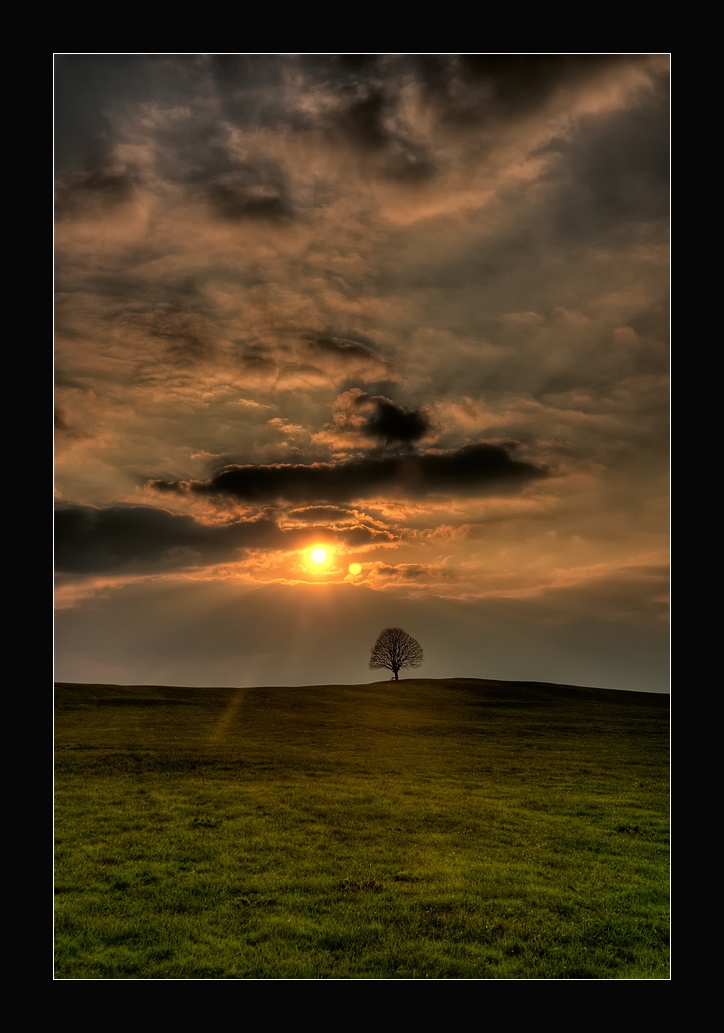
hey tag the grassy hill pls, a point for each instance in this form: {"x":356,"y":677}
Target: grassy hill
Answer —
{"x":421,"y":829}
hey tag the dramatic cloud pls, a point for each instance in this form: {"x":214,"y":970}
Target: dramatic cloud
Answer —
{"x":473,"y":469}
{"x":103,"y":184}
{"x":123,"y":538}
{"x":394,"y":424}
{"x":233,"y":201}
{"x":315,"y":299}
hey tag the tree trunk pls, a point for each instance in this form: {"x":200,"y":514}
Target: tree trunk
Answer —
{"x":396,"y":678}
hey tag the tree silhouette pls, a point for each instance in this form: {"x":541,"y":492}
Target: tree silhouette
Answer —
{"x":395,"y":649}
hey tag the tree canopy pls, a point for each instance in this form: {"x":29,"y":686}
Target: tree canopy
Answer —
{"x":395,"y":650}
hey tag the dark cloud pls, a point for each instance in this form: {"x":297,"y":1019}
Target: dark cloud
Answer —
{"x":239,"y":75}
{"x":253,"y":90}
{"x":408,"y":571}
{"x":521,"y":80}
{"x":465,"y":91}
{"x":255,"y":362}
{"x":102,"y":184}
{"x":342,"y":347}
{"x":63,"y":426}
{"x":361,"y":120}
{"x":182,"y":332}
{"x":415,"y":570}
{"x":189,"y":151}
{"x":141,"y":539}
{"x":365,"y":118}
{"x":480,"y":89}
{"x":358,"y":62}
{"x":236,"y":203}
{"x":239,"y":190}
{"x":234,"y":189}
{"x":129,"y":538}
{"x":396,"y":425}
{"x":468,"y":88}
{"x":87,"y":88}
{"x":364,"y":110}
{"x":617,"y":171}
{"x":250,"y":88}
{"x":475,"y":469}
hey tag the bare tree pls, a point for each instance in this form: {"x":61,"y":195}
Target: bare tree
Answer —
{"x":395,"y":649}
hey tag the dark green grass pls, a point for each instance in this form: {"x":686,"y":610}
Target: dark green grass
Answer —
{"x":424,"y":829}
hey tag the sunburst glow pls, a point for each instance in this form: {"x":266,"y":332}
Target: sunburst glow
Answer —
{"x":319,"y":555}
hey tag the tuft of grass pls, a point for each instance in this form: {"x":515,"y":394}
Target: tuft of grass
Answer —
{"x":454,"y":829}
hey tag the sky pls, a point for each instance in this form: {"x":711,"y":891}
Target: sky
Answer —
{"x":409,"y":310}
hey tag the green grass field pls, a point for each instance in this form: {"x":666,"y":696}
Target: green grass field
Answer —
{"x":456,"y":829}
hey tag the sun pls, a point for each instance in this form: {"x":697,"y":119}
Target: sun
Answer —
{"x":319,"y":555}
